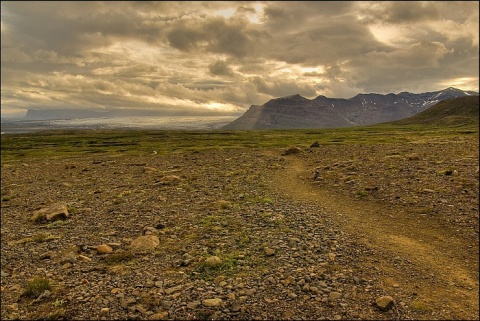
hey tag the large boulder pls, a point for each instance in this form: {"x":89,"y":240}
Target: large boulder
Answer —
{"x":144,"y":244}
{"x":54,"y":212}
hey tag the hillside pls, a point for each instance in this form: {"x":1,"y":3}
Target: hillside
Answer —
{"x":455,"y":111}
{"x":296,"y":112}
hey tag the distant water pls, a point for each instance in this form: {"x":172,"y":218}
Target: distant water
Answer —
{"x":140,"y":122}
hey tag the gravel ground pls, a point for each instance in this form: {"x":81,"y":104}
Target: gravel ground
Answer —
{"x":244,"y":234}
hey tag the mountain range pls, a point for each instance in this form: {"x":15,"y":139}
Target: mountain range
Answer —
{"x":296,"y":112}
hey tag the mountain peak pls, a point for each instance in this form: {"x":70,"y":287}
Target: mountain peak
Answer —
{"x":451,"y":89}
{"x":296,"y":96}
{"x":288,"y":99}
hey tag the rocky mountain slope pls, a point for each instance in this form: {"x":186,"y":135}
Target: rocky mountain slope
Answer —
{"x":323,"y":112}
{"x":454,"y":111}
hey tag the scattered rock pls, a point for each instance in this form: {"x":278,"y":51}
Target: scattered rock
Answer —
{"x":46,"y":256}
{"x":159,"y":316}
{"x":315,"y":144}
{"x":169,"y":180}
{"x":68,"y":257}
{"x":334,"y":296}
{"x":173,"y":289}
{"x":291,"y":257}
{"x":144,"y":244}
{"x":413,"y":157}
{"x":148,"y":230}
{"x":193,"y":304}
{"x":213,"y":260}
{"x":269,"y":251}
{"x":236,"y":307}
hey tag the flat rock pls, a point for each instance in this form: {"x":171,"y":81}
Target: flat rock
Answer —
{"x":159,"y":316}
{"x":212,"y":302}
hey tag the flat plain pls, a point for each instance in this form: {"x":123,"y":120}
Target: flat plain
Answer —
{"x":238,"y":228}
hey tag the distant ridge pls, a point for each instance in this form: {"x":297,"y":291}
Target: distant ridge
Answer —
{"x":322,"y":112}
{"x":79,"y":113}
{"x":454,"y":111}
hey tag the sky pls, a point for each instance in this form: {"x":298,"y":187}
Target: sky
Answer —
{"x":222,"y":57}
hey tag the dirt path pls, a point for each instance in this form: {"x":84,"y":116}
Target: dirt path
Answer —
{"x":435,"y":267}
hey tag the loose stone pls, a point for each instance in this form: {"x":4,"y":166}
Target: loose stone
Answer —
{"x":384,"y":303}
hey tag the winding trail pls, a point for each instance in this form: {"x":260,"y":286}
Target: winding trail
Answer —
{"x":443,"y":269}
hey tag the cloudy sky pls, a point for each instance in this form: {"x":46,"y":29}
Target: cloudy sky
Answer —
{"x":226,"y":56}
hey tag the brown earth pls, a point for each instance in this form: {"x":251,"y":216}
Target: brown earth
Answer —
{"x":398,"y":220}
{"x":426,"y":230}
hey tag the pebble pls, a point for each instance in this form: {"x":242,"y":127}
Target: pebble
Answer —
{"x":333,"y":296}
{"x":159,"y":316}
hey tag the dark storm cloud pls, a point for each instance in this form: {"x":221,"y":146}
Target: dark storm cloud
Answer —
{"x":220,"y":68}
{"x":326,"y":44}
{"x":401,"y":12}
{"x":227,"y":55}
{"x":217,"y":35}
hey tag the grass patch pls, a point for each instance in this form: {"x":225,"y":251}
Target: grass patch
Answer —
{"x":38,"y":238}
{"x":267,"y":200}
{"x":361,"y":193}
{"x":42,"y":237}
{"x":208,"y":272}
{"x":223,"y":205}
{"x":75,"y":143}
{"x":58,"y":303}
{"x":424,"y":210}
{"x":118,"y":258}
{"x":36,"y":287}
{"x":242,"y":238}
{"x":420,"y":306}
{"x":71,"y":209}
{"x":57,"y":224}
